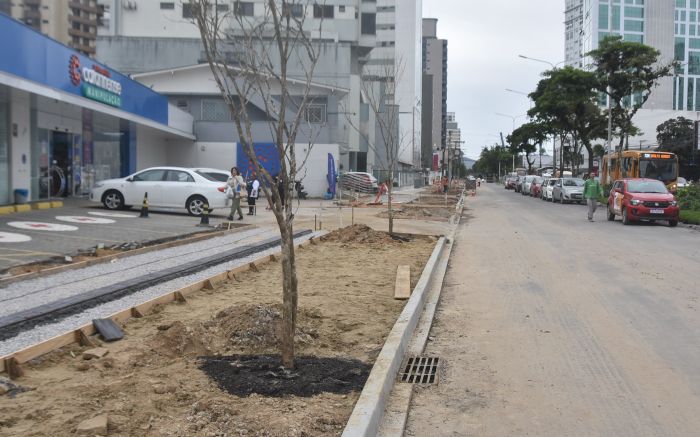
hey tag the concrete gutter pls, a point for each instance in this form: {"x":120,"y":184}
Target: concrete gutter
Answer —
{"x":367,"y":415}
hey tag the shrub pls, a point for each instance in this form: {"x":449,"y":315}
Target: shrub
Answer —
{"x":689,"y":198}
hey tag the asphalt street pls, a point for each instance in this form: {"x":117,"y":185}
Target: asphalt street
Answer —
{"x":101,"y":226}
{"x":550,"y":325}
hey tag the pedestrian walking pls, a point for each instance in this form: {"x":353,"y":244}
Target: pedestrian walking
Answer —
{"x":591,"y":191}
{"x":234,"y":185}
{"x":253,"y":188}
{"x":445,"y":184}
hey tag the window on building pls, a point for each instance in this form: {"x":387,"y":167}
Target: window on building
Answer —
{"x":187,"y":10}
{"x":603,"y":22}
{"x":315,"y":113}
{"x":369,"y":24}
{"x":634,"y":26}
{"x":694,"y":62}
{"x":294,"y":10}
{"x":244,"y":9}
{"x":167,"y":5}
{"x":323,"y":11}
{"x":341,"y":8}
{"x":215,"y":110}
{"x":632,"y":12}
{"x":221,"y":8}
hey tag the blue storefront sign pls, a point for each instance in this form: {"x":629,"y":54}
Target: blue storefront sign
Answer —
{"x":30,"y":55}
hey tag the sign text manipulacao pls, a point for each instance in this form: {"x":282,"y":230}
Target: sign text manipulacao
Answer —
{"x":96,"y":83}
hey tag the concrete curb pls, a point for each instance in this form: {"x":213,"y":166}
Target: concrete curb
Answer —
{"x":367,"y":415}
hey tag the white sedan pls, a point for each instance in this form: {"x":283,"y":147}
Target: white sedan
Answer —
{"x":167,"y":187}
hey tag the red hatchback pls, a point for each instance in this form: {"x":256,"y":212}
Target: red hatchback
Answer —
{"x":536,"y":187}
{"x":642,"y":199}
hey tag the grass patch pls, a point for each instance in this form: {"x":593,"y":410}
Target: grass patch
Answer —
{"x":691,"y":217}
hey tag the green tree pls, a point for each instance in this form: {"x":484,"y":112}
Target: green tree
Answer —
{"x":528,"y":139}
{"x":492,"y":159}
{"x":677,"y":135}
{"x":626,"y":72}
{"x":565,"y":103}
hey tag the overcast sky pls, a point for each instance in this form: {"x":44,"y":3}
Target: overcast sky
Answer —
{"x":485,"y":38}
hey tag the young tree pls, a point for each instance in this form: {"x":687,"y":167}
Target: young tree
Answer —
{"x":677,"y":135}
{"x":265,"y":48}
{"x":379,"y":94}
{"x":528,"y":139}
{"x":627,"y":72}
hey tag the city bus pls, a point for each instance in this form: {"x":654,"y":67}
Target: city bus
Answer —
{"x":662,"y":166}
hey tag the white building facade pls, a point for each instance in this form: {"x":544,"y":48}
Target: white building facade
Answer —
{"x":357,"y":35}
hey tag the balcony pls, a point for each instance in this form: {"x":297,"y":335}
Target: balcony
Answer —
{"x":83,"y":7}
{"x":81,"y":34}
{"x":76,"y":19}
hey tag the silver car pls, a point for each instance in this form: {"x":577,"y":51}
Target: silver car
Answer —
{"x":567,"y":190}
{"x":527,"y":184}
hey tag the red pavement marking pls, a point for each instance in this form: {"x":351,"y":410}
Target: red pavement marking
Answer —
{"x":38,"y":225}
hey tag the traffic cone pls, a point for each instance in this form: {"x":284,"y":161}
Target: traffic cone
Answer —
{"x":204,"y":221}
{"x":144,"y":207}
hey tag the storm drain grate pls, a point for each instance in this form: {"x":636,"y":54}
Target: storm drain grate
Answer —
{"x":420,"y":370}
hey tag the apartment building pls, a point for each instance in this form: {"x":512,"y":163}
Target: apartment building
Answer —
{"x":72,"y":22}
{"x":357,"y":37}
{"x":434,"y":135}
{"x":670,"y":26}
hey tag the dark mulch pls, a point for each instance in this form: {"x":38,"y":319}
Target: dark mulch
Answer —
{"x":243,"y":375}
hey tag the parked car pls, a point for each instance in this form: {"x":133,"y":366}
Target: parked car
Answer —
{"x":679,"y":184}
{"x":359,"y":181}
{"x":510,"y":181}
{"x":167,"y":187}
{"x":548,"y":190}
{"x":213,"y":174}
{"x":568,"y":190}
{"x":642,"y":199}
{"x":527,"y":184}
{"x":536,"y":187}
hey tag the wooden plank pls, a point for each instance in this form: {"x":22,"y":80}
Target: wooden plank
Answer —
{"x":402,"y":288}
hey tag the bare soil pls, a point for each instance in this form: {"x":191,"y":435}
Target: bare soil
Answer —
{"x":156,"y":382}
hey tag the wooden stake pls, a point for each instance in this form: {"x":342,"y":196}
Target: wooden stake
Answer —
{"x":179,"y":297}
{"x":208,"y":285}
{"x":273,"y":258}
{"x":82,"y":339}
{"x":253,"y":267}
{"x":136,"y":313}
{"x":13,"y":369}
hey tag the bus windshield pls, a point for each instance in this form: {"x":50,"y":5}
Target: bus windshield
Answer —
{"x":659,"y":169}
{"x":646,"y":187}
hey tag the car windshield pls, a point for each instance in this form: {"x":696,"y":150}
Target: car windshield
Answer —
{"x":209,"y":176}
{"x":573,"y":182}
{"x":646,"y":187}
{"x":659,"y":169}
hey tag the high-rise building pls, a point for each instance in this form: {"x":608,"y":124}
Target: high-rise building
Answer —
{"x":672,"y":27}
{"x":72,"y":22}
{"x":358,"y":38}
{"x":434,"y":92}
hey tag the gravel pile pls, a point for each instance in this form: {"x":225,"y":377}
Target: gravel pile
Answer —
{"x":44,"y":332}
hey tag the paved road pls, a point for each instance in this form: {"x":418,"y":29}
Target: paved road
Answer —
{"x":553,"y":326}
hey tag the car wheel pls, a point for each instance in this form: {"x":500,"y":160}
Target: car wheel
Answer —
{"x":611,"y":214}
{"x":625,"y":218}
{"x":673,"y":223}
{"x":195,"y":205}
{"x":113,"y":199}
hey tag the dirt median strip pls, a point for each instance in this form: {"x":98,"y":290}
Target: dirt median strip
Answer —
{"x":151,"y":382}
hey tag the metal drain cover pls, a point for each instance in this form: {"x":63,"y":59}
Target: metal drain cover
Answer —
{"x":420,"y":370}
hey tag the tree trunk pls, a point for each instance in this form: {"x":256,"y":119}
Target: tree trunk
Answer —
{"x":589,"y":149}
{"x":289,"y":295}
{"x":389,"y":190}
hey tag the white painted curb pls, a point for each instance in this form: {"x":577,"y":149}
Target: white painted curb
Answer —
{"x":367,"y":414}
